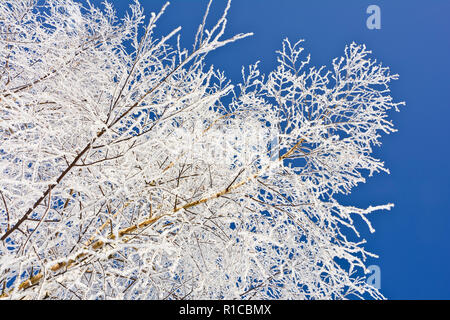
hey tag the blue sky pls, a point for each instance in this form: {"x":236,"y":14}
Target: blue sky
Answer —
{"x":413,"y":239}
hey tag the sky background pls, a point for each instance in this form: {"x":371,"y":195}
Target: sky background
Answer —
{"x":413,"y":239}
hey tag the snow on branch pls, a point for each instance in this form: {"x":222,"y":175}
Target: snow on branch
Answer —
{"x":131,"y":170}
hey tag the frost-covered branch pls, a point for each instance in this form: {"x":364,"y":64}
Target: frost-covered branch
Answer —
{"x":131,"y":170}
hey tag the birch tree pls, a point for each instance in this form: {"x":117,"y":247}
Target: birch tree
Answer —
{"x":132,"y":169}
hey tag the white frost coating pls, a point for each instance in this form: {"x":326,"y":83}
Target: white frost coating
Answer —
{"x":130,"y":170}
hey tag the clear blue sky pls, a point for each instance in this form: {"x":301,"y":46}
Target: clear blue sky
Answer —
{"x":413,"y":239}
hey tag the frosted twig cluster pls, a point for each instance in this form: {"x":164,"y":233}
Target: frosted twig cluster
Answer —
{"x":129,"y":169}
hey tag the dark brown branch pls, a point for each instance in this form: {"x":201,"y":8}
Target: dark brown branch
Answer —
{"x":84,"y":151}
{"x":6,"y":209}
{"x":235,"y":178}
{"x":50,"y":188}
{"x":40,"y":221}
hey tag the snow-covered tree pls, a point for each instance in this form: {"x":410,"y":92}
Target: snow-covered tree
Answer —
{"x":130,"y":169}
